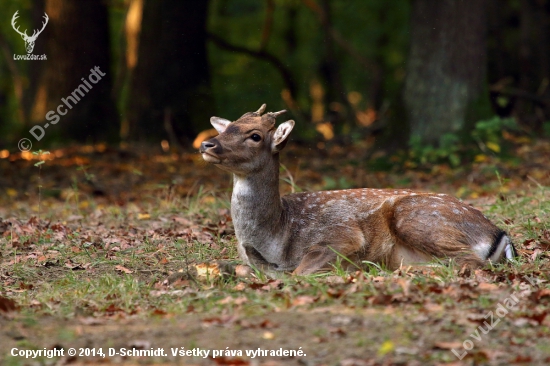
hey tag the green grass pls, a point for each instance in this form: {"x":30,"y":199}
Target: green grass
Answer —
{"x":94,"y":285}
{"x":83,"y":274}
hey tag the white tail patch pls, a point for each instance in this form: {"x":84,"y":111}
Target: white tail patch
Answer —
{"x":503,"y":246}
{"x":482,"y":249}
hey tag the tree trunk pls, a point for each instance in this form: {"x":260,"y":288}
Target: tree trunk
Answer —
{"x":329,"y":70}
{"x":446,"y":67}
{"x":77,"y":42}
{"x":534,"y":61}
{"x":170,"y":86}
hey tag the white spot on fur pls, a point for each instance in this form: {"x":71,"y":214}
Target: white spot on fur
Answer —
{"x":241,"y":188}
{"x":482,"y":249}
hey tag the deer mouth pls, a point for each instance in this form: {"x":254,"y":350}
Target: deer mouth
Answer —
{"x":211,"y":158}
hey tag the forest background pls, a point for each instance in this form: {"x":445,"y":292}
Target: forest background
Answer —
{"x":430,"y":78}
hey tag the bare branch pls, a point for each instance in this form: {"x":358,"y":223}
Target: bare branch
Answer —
{"x":261,"y":54}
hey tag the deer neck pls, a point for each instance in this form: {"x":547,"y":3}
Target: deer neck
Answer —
{"x":256,"y":202}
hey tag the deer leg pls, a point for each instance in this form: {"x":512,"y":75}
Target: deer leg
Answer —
{"x":317,"y":257}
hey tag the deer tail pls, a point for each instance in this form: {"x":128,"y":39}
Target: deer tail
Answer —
{"x":502,"y":247}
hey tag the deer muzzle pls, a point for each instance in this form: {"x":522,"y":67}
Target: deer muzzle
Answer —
{"x":208,"y":151}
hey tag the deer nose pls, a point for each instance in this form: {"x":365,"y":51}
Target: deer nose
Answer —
{"x":205,"y":145}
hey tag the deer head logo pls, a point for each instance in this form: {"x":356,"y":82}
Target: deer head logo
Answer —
{"x":29,"y":40}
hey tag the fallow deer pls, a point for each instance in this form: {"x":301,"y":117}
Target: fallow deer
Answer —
{"x":306,"y":232}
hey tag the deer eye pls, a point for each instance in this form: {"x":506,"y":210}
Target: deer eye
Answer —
{"x":256,"y":137}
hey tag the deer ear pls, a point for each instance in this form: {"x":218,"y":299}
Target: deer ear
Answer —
{"x":280,"y":136}
{"x":220,"y":124}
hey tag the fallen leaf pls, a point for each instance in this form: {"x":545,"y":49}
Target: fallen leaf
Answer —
{"x":207,"y":270}
{"x":241,"y":286}
{"x":7,"y":305}
{"x":303,"y":300}
{"x":381,"y":299}
{"x":545,"y":292}
{"x":123,"y":269}
{"x":485,"y":286}
{"x":386,"y":348}
{"x":447,"y":345}
{"x":537,"y":317}
{"x":159,"y":312}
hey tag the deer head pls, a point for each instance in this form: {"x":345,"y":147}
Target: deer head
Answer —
{"x":248,"y":144}
{"x":29,"y":40}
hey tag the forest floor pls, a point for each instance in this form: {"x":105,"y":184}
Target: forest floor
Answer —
{"x":99,"y":247}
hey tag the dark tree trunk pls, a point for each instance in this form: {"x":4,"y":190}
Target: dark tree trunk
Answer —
{"x":77,"y":42}
{"x":329,"y":69}
{"x":40,"y":48}
{"x":170,"y":86}
{"x":446,"y":66}
{"x":534,"y":60}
